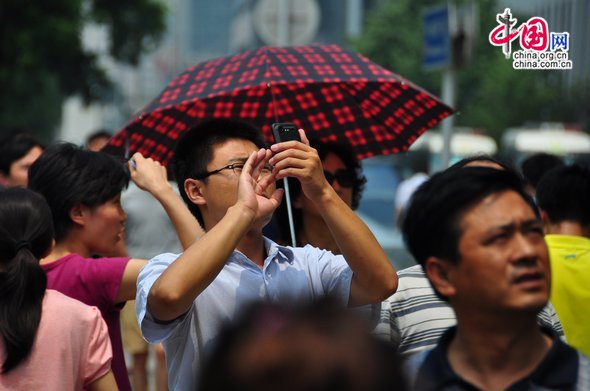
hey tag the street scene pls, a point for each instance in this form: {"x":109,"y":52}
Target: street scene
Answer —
{"x":295,"y":194}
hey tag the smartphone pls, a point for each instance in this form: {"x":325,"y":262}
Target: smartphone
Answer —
{"x":285,"y":132}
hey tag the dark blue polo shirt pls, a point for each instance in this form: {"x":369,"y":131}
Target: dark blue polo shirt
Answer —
{"x":557,"y":371}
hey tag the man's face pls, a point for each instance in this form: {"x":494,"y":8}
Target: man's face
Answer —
{"x":503,"y":262}
{"x":19,"y":169}
{"x":220,"y":190}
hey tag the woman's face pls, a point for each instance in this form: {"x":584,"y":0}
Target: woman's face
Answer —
{"x":334,"y":167}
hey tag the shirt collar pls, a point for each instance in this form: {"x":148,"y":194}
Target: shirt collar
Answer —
{"x":558,"y":370}
{"x":567,"y":241}
{"x":274,"y":252}
{"x":278,"y":252}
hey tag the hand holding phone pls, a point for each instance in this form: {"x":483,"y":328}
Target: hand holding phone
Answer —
{"x":285,"y":132}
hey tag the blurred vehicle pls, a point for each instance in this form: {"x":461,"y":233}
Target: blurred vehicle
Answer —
{"x":384,"y":173}
{"x":465,"y":142}
{"x":391,"y":241}
{"x":570,"y":144}
{"x":383,"y":177}
{"x":376,"y":208}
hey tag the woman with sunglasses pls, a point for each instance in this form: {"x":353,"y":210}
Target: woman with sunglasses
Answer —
{"x":343,"y":171}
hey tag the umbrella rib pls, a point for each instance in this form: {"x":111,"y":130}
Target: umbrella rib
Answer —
{"x":356,"y":97}
{"x":313,"y":93}
{"x":269,"y":85}
{"x":359,"y":96}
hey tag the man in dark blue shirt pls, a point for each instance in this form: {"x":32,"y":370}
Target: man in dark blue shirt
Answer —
{"x":482,"y":247}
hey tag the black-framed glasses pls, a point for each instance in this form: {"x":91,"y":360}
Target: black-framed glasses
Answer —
{"x":346,"y":178}
{"x":235,"y":167}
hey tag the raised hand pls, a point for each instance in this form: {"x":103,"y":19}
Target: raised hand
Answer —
{"x":299,"y":160}
{"x":256,"y":185}
{"x":148,"y":174}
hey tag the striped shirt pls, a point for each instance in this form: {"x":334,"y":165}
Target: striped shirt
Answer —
{"x":414,"y":318}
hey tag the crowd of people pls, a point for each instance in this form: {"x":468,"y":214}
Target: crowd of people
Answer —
{"x":496,"y":300}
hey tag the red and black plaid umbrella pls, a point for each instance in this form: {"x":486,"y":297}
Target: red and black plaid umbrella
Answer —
{"x":334,"y":94}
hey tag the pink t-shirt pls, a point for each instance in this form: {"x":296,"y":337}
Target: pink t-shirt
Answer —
{"x":71,"y":348}
{"x":95,"y":282}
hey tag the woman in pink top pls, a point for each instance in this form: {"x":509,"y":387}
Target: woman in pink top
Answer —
{"x":48,"y":340}
{"x":83,"y":191}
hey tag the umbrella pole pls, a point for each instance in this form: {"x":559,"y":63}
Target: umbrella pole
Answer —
{"x":289,"y":211}
{"x":285,"y":181}
{"x":127,"y":148}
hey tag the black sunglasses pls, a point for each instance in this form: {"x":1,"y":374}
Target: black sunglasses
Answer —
{"x":346,"y":178}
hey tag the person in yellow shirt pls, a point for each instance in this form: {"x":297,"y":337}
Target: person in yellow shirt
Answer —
{"x":563,"y":196}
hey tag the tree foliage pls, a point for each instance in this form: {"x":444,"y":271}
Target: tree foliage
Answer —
{"x":43,"y":61}
{"x":490,"y":93}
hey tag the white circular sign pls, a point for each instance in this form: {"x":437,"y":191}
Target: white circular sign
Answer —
{"x":303,"y":18}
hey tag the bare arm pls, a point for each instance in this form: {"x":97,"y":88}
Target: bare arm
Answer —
{"x":128,"y":286}
{"x":175,"y":290}
{"x":149,"y":175}
{"x":374,"y":277}
{"x":105,"y":383}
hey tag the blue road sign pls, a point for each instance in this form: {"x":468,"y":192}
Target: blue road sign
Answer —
{"x":436,"y":53}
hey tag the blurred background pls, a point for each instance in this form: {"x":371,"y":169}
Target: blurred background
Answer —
{"x":71,"y":67}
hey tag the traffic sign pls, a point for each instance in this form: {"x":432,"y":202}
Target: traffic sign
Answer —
{"x":436,"y":51}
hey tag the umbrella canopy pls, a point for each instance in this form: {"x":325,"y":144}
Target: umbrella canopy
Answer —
{"x":334,"y":94}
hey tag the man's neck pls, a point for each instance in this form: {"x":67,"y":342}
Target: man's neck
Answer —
{"x":316,"y":232}
{"x":495,"y":353}
{"x":252,"y":246}
{"x":570,"y":228}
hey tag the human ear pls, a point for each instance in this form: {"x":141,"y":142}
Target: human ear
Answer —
{"x":545,"y":218}
{"x":193,"y":189}
{"x":439,"y":273}
{"x":78,"y":214}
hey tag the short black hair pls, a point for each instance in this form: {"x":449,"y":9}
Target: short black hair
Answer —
{"x":14,"y":146}
{"x":536,"y":165}
{"x":67,"y":175}
{"x":564,"y":194}
{"x":480,"y":158}
{"x":195,"y":150}
{"x":431,"y":226}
